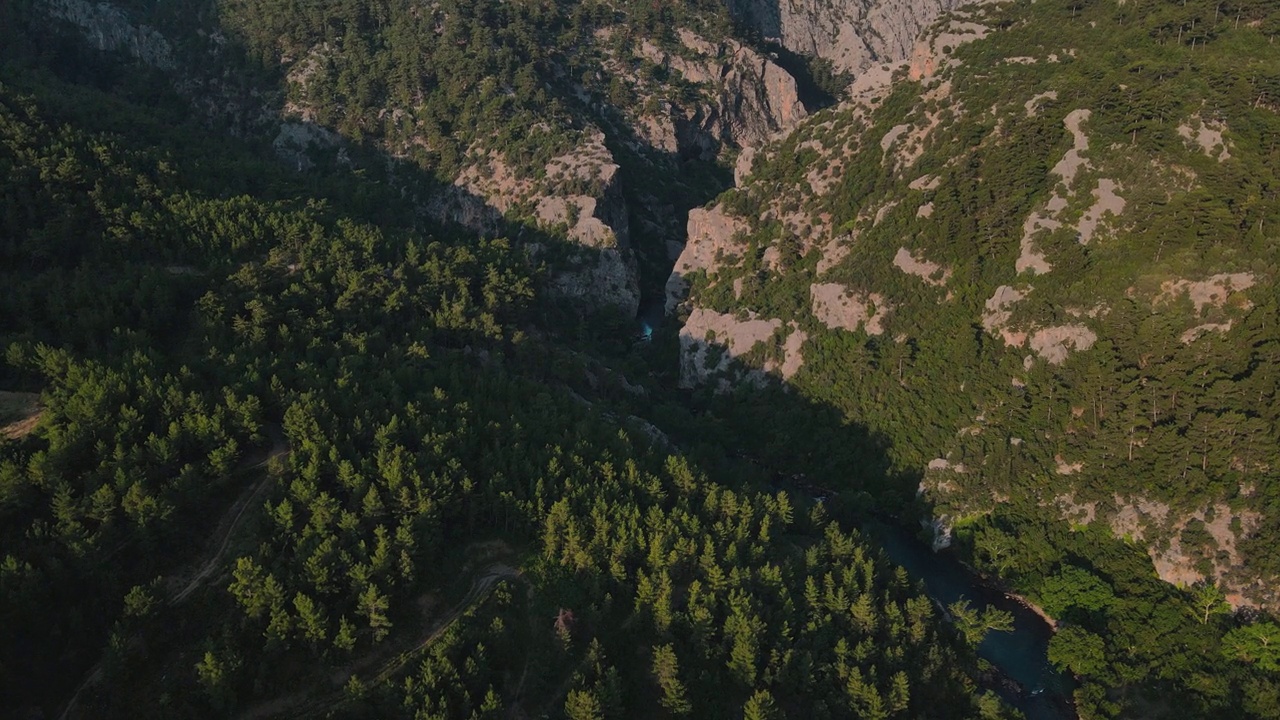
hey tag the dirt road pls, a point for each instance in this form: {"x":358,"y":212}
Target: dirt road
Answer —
{"x":480,"y":588}
{"x":226,"y":530}
{"x":305,"y":704}
{"x":230,"y":522}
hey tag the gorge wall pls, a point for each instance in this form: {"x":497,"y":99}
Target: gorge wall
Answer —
{"x":992,"y":272}
{"x":851,"y":35}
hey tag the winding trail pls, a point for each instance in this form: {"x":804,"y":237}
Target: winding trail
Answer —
{"x":227,"y":527}
{"x":94,"y":677}
{"x":235,"y":513}
{"x":304,"y":705}
{"x":480,"y":588}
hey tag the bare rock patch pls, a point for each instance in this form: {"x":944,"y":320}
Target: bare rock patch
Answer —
{"x":838,"y":307}
{"x":1193,"y":334}
{"x":1106,"y":202}
{"x":834,"y":251}
{"x":997,"y":311}
{"x":1211,"y":292}
{"x":1207,"y":135}
{"x":1033,"y":105}
{"x":19,"y":414}
{"x":711,"y":234}
{"x":931,"y":272}
{"x":1054,"y":344}
{"x":710,"y":341}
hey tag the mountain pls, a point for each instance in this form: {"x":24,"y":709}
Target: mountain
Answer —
{"x":312,"y":435}
{"x":852,"y":36}
{"x":1037,"y":257}
{"x":1070,"y":246}
{"x":569,"y":133}
{"x":336,"y":382}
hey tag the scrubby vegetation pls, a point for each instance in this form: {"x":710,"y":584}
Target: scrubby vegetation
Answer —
{"x":304,"y":454}
{"x":1155,"y":418}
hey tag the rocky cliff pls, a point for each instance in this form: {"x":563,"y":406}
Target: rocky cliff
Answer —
{"x":875,"y":40}
{"x":738,"y":98}
{"x":109,"y":28}
{"x":712,"y":241}
{"x":576,"y":196}
{"x":1041,"y":305}
{"x":664,"y":99}
{"x":851,"y":35}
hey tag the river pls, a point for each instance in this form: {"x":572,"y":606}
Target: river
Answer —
{"x":650,"y":315}
{"x":1020,"y":655}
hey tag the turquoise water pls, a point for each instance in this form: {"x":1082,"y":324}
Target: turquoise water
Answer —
{"x":650,"y":316}
{"x":1020,"y":655}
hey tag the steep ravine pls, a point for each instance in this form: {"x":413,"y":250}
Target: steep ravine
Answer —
{"x":1073,"y":291}
{"x":712,"y":98}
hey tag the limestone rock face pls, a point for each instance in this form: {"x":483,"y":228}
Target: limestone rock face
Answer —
{"x":746,"y":99}
{"x":296,"y":139}
{"x":758,"y":99}
{"x":711,"y":239}
{"x":213,"y":94}
{"x":835,"y":306}
{"x":710,"y":341}
{"x":609,"y":277}
{"x":852,"y":35}
{"x":109,"y":29}
{"x":578,"y":195}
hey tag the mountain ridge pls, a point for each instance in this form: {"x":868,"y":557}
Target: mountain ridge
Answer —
{"x":1009,"y":281}
{"x":1082,"y":201}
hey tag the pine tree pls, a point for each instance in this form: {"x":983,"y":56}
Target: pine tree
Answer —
{"x":311,"y":620}
{"x":345,"y":638}
{"x":373,"y":605}
{"x":582,"y":705}
{"x":761,"y":706}
{"x":666,"y":671}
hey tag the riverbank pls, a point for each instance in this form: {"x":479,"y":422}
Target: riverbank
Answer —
{"x":1048,"y":619}
{"x":1023,"y":675}
{"x":996,"y":585}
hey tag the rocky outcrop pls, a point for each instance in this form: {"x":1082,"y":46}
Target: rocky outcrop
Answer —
{"x":680,"y":130}
{"x":1207,"y":135}
{"x":930,"y":272}
{"x":997,"y":312}
{"x":837,"y":307}
{"x":710,"y":241}
{"x":710,"y":341}
{"x":1209,"y":553}
{"x":852,"y":35}
{"x":109,"y":29}
{"x":758,"y":99}
{"x":1055,"y":343}
{"x":1213,"y":292}
{"x":237,"y":105}
{"x":607,"y":277}
{"x":746,"y":98}
{"x":577,"y":195}
{"x":297,"y":140}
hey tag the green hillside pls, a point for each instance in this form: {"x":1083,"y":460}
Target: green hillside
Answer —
{"x":311,"y":404}
{"x":1040,"y":268}
{"x":304,"y":455}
